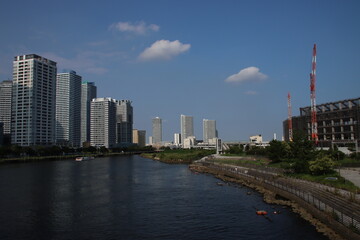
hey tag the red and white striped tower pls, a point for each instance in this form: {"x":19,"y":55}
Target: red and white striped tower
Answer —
{"x":290,"y":119}
{"x":314,"y":132}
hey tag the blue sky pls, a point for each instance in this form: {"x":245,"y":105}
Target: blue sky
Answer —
{"x":232,"y":61}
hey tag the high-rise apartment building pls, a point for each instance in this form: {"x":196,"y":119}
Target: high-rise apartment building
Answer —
{"x":33,"y":100}
{"x":157,"y":130}
{"x":209,"y":130}
{"x":103,"y":122}
{"x":187,"y":127}
{"x":68,"y":108}
{"x":1,"y":133}
{"x":124,"y":122}
{"x":177,"y":139}
{"x":5,"y":104}
{"x":139,"y":137}
{"x":88,"y":92}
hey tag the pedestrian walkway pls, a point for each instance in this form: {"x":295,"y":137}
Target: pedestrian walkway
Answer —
{"x":351,"y":174}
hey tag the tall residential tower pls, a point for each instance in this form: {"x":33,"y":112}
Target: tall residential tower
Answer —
{"x":157,"y":131}
{"x":88,"y":92}
{"x":33,"y":101}
{"x":209,"y":130}
{"x":124,"y":122}
{"x":5,"y":104}
{"x":187,"y":127}
{"x":68,"y":108}
{"x":103,"y":122}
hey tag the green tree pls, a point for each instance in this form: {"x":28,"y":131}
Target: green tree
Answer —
{"x":278,"y":151}
{"x":54,"y":150}
{"x":16,"y":150}
{"x":236,"y":150}
{"x":103,"y":149}
{"x":29,"y":151}
{"x":256,"y":150}
{"x":336,"y":154}
{"x":322,"y":164}
{"x":302,"y":151}
{"x":90,"y":149}
{"x":4,"y":151}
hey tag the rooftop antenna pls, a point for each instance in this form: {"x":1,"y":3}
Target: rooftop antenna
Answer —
{"x":290,"y":119}
{"x":314,"y":132}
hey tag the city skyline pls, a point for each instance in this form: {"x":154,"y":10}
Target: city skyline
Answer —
{"x":233,"y":61}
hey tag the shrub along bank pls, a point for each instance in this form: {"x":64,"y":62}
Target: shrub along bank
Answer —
{"x":184,"y":156}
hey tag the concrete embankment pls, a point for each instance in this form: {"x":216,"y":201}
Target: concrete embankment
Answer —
{"x":323,"y":220}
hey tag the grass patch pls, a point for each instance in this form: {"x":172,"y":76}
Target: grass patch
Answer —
{"x":282,"y":165}
{"x":349,"y":162}
{"x":243,"y":161}
{"x":234,"y":154}
{"x":341,"y":182}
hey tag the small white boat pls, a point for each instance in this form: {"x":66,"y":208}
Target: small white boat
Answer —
{"x":83,"y":158}
{"x":79,"y":159}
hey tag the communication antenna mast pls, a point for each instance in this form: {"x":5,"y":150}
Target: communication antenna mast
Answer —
{"x":290,"y":119}
{"x":314,"y":132}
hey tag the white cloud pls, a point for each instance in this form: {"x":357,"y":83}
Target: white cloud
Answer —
{"x":137,"y":28}
{"x":164,"y":50}
{"x":250,"y":74}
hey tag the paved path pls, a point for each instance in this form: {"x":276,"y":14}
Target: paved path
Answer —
{"x":351,"y":174}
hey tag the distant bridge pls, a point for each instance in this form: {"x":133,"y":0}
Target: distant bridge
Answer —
{"x":227,"y":145}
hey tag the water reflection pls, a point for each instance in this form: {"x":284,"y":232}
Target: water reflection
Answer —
{"x":130,"y":197}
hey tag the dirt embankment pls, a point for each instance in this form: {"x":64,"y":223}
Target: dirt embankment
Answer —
{"x":272,"y":198}
{"x":169,"y":161}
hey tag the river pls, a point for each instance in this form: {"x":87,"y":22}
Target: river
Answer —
{"x":130,"y":197}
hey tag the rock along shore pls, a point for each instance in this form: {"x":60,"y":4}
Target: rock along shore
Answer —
{"x":272,"y":198}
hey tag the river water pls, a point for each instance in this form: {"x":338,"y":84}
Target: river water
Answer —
{"x":130,"y":197}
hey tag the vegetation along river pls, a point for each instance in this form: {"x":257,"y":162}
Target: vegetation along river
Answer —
{"x":130,"y":197}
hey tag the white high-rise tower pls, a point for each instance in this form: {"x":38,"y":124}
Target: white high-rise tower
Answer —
{"x":187,"y":127}
{"x":33,"y":101}
{"x":209,"y":130}
{"x":5,"y":104}
{"x":103,"y":122}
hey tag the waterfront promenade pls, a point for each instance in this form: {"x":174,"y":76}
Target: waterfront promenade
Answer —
{"x":338,"y":209}
{"x":351,"y":174}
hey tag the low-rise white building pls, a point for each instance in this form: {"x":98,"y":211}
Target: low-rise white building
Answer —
{"x":189,"y":142}
{"x":257,"y":139}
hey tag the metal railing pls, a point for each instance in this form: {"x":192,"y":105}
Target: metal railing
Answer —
{"x":343,"y":209}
